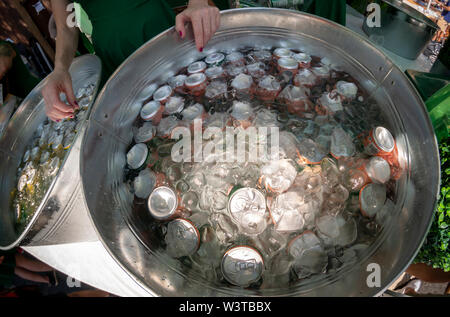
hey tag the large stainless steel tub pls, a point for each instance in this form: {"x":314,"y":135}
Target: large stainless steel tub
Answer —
{"x":50,"y":224}
{"x":125,"y":232}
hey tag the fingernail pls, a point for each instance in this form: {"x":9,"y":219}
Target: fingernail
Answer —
{"x":181,"y":34}
{"x":58,"y":120}
{"x":201,"y":49}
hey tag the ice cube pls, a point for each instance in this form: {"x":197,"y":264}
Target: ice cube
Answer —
{"x":341,"y":143}
{"x":278,"y":176}
{"x":336,"y":230}
{"x":266,"y":118}
{"x":346,"y":89}
{"x":215,"y":89}
{"x":269,"y":83}
{"x":285,"y":212}
{"x":331,"y":102}
{"x":308,"y":254}
{"x":226,"y":229}
{"x":310,"y":152}
{"x":166,"y":126}
{"x":242,"y":82}
{"x":189,"y":200}
{"x":234,"y":70}
{"x":256,"y":70}
{"x":241,"y":110}
{"x":270,"y":242}
{"x":294,"y":93}
{"x":305,"y":78}
{"x":144,"y":183}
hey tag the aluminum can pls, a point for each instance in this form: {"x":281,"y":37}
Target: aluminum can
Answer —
{"x":242,"y":265}
{"x":137,"y":156}
{"x":287,"y":64}
{"x":183,"y":237}
{"x":379,"y":141}
{"x":371,"y":199}
{"x":162,"y":94}
{"x":196,"y":84}
{"x":152,"y":111}
{"x":163,"y":203}
{"x":303,"y":60}
{"x":247,"y":207}
{"x":282,"y":52}
{"x":196,"y":67}
{"x":215,"y":59}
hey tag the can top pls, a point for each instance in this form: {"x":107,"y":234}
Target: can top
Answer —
{"x":182,"y":238}
{"x":302,"y":58}
{"x":282,"y":52}
{"x":162,"y":203}
{"x":196,"y":67}
{"x":372,"y":198}
{"x":378,"y":170}
{"x":195,"y":79}
{"x":137,"y":155}
{"x":162,"y":93}
{"x":177,"y":81}
{"x":150,"y":109}
{"x":288,"y":63}
{"x":247,"y":207}
{"x":242,"y":265}
{"x":383,"y":139}
{"x":214,"y":58}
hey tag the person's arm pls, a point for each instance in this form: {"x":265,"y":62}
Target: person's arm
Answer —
{"x":7,"y":54}
{"x":59,"y":80}
{"x":205,"y":20}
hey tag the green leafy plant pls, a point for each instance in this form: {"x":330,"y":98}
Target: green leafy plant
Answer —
{"x":435,"y":251}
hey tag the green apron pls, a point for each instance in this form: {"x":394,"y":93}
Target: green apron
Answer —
{"x":334,"y":10}
{"x":120,"y":27}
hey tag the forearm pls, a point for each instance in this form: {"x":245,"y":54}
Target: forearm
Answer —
{"x":66,"y":47}
{"x":67,"y":35}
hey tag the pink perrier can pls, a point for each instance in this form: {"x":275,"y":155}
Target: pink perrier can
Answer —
{"x":287,"y":64}
{"x":196,"y":84}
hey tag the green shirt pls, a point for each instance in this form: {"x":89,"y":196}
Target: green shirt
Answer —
{"x":120,"y":27}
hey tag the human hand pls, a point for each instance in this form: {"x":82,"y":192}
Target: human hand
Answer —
{"x":205,"y":20}
{"x":5,"y":65}
{"x":59,"y":81}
